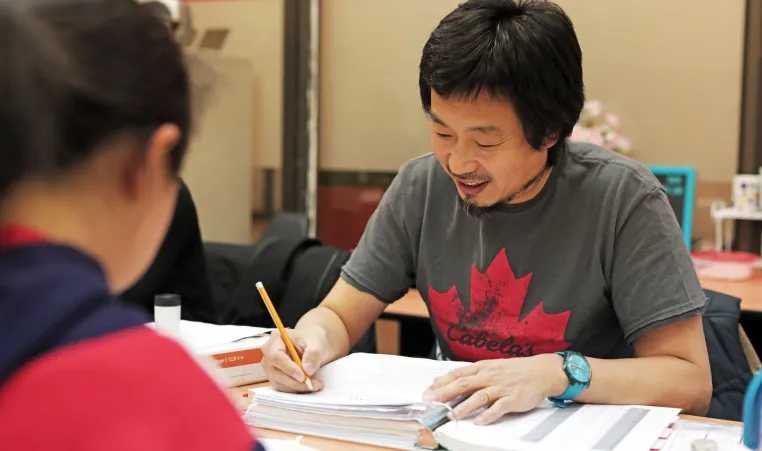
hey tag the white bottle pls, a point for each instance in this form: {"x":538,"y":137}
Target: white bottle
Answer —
{"x":166,"y":311}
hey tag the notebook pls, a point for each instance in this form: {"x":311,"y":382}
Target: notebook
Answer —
{"x":375,"y":399}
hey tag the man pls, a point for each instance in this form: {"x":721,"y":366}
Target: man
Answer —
{"x":557,"y":267}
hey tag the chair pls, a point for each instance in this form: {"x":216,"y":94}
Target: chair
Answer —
{"x":729,"y":356}
{"x":297,"y":271}
{"x":287,"y":225}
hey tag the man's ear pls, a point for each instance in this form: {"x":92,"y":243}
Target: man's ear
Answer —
{"x":550,"y":141}
{"x":145,"y":168}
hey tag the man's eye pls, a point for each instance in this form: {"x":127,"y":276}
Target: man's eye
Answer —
{"x":485,"y":146}
{"x":443,"y":135}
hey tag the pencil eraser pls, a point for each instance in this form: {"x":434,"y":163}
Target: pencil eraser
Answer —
{"x":259,"y":285}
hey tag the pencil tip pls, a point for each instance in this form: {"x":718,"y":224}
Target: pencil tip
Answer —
{"x":309,"y":384}
{"x":259,"y":285}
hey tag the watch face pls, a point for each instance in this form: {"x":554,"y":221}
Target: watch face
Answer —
{"x":578,"y":368}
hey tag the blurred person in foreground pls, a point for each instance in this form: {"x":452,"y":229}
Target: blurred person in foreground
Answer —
{"x":94,"y":126}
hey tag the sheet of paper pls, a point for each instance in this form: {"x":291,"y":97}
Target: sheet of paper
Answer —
{"x":370,"y":379}
{"x":202,"y":335}
{"x":271,"y":444}
{"x":578,"y":428}
{"x":728,"y":437}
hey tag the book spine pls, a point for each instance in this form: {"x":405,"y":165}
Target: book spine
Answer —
{"x":426,"y":439}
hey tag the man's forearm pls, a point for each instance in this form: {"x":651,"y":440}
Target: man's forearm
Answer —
{"x":655,"y":381}
{"x":336,"y":332}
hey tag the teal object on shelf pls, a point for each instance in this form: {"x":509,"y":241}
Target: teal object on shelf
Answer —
{"x":680,"y":185}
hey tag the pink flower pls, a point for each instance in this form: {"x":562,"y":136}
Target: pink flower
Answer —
{"x":578,"y":134}
{"x":594,"y":107}
{"x":595,"y":137}
{"x":612,"y":119}
{"x":624,"y":144}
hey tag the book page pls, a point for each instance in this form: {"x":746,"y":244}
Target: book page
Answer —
{"x":370,"y":379}
{"x":271,"y":444}
{"x":579,"y":427}
{"x":684,"y":432}
{"x":198,"y":336}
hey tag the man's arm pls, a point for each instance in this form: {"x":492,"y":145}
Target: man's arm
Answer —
{"x":344,"y":316}
{"x":380,"y":270}
{"x":658,"y":301}
{"x":671,"y":369}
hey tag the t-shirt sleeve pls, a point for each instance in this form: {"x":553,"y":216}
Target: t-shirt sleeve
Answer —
{"x":653,"y":281}
{"x":383,"y":262}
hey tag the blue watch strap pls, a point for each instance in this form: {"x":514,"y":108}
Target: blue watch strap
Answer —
{"x":572,"y":392}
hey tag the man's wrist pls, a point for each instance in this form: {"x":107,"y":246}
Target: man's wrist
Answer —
{"x":558,"y":381}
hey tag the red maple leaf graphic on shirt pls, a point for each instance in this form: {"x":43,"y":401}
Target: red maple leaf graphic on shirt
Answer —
{"x":492,"y":329}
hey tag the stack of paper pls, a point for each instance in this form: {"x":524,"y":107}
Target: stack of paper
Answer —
{"x":367,"y":398}
{"x":376,"y":400}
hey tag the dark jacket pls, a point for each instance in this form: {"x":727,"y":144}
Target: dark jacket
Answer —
{"x":179,"y":267}
{"x":730,"y":369}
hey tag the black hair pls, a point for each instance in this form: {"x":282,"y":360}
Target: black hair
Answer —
{"x":523,"y":51}
{"x":128,"y":77}
{"x":129,"y":58}
{"x":33,"y":82}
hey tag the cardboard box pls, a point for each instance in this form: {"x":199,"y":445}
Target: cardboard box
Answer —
{"x":236,"y":350}
{"x":240,"y":362}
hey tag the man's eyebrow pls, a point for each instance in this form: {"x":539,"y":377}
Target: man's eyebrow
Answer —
{"x":479,"y":128}
{"x":436,"y":119}
{"x":485,"y":129}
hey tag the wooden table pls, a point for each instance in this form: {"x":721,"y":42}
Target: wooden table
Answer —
{"x":323,"y":444}
{"x":749,"y":291}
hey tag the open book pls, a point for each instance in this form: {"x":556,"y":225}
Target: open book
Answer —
{"x":376,"y":400}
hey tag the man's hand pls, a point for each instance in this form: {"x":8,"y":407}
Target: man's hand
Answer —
{"x":284,"y":374}
{"x":501,"y":386}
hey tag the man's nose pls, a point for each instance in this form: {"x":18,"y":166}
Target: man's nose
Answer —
{"x":461,"y":161}
{"x":461,"y":168}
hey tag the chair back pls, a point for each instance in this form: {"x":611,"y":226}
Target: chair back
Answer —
{"x":731,"y":373}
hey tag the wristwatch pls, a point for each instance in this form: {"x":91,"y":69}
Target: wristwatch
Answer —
{"x":578,"y":371}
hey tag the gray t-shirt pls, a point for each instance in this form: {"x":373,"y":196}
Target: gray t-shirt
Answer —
{"x":592,"y":263}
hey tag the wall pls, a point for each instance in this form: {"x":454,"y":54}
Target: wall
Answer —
{"x":217,"y":170}
{"x":256,"y":36}
{"x":671,"y":70}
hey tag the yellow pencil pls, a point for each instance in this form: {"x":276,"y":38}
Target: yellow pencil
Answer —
{"x":282,"y":330}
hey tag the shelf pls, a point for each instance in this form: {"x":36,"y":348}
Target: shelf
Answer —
{"x":731,"y":213}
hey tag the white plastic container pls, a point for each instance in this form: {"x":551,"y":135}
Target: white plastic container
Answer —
{"x":746,"y":193}
{"x":726,"y":265}
{"x":167,"y":311}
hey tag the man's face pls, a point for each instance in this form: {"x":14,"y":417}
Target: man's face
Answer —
{"x":481,"y":145}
